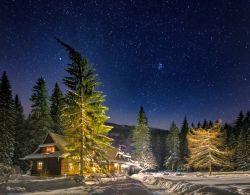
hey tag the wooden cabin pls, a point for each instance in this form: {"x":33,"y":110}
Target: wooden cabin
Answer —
{"x":49,"y":159}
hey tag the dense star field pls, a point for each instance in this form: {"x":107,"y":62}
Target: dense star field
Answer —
{"x":176,"y":58}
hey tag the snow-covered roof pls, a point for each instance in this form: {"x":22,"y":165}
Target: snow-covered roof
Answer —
{"x":57,"y":154}
{"x":114,"y":154}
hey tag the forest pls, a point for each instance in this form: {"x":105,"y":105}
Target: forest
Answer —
{"x":79,"y":114}
{"x":20,"y":135}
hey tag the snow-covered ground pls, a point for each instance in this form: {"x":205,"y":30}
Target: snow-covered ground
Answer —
{"x":28,"y":185}
{"x":143,"y":183}
{"x":196,"y":183}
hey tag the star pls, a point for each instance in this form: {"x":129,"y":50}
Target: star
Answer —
{"x":160,"y":66}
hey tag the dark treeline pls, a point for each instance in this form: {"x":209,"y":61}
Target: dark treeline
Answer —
{"x":171,"y":149}
{"x":19,"y":136}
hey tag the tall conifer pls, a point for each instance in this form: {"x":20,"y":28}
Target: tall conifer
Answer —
{"x":39,"y":121}
{"x":21,"y":133}
{"x":84,"y":116}
{"x":142,"y":142}
{"x":183,"y":141}
{"x":57,"y":105}
{"x":7,"y":121}
{"x":172,"y":159}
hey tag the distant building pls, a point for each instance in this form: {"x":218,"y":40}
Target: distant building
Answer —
{"x":49,"y":159}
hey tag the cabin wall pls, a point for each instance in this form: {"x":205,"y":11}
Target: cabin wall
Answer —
{"x":34,"y":168}
{"x":56,"y":167}
{"x":46,"y":167}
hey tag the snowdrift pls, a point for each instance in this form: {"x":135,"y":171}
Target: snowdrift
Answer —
{"x":168,"y":186}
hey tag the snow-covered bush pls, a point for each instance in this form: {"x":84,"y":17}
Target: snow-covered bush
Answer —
{"x":8,"y":173}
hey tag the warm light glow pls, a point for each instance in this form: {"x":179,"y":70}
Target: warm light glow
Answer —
{"x":116,"y":165}
{"x":39,"y":165}
{"x":50,"y":149}
{"x":70,"y":166}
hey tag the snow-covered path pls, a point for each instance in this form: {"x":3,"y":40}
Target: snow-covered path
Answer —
{"x":61,"y":186}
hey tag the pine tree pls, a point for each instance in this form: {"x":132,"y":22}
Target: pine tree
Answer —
{"x":199,"y":125}
{"x":192,"y":125}
{"x":240,"y":119}
{"x":206,"y":148}
{"x":21,"y":133}
{"x":247,"y":160}
{"x":247,"y":118}
{"x":6,"y":121}
{"x":84,"y":116}
{"x":57,"y":105}
{"x":239,"y":124}
{"x":230,"y":139}
{"x":205,"y":125}
{"x":39,"y":121}
{"x":172,"y":159}
{"x":242,"y":152}
{"x":210,"y":125}
{"x":183,"y":141}
{"x":141,"y":142}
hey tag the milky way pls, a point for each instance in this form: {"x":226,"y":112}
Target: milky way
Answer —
{"x":176,"y":58}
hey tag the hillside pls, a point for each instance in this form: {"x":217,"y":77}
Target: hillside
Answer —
{"x":122,"y":136}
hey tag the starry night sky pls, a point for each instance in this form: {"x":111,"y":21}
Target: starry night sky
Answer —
{"x":176,"y":58}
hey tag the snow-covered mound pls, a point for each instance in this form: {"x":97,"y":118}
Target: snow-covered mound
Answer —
{"x":195,"y":184}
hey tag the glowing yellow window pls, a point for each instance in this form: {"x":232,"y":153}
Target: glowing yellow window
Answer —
{"x":39,"y":165}
{"x":70,"y":166}
{"x":50,"y":149}
{"x":116,"y":165}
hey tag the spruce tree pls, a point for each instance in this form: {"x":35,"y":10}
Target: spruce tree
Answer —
{"x":39,"y":121}
{"x":242,"y":153}
{"x":240,"y":118}
{"x":239,"y":125}
{"x":247,"y":160}
{"x":172,"y":159}
{"x":141,"y":142}
{"x":57,"y":105}
{"x":199,"y":125}
{"x":6,"y":121}
{"x":21,"y":133}
{"x":192,"y":125}
{"x":84,"y":116}
{"x":210,"y":125}
{"x":183,"y":141}
{"x":230,"y":139}
{"x":206,"y":148}
{"x":247,"y":118}
{"x":205,"y":125}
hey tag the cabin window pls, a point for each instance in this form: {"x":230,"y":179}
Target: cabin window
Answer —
{"x":39,"y":165}
{"x":50,"y":149}
{"x":70,"y":166}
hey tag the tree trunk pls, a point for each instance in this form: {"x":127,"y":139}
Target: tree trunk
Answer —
{"x":210,"y":168}
{"x":81,"y":156}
